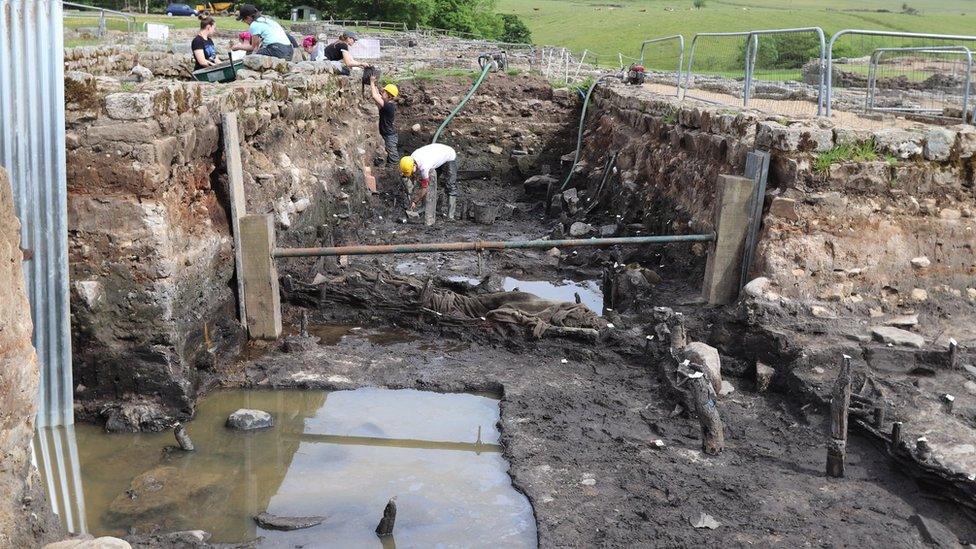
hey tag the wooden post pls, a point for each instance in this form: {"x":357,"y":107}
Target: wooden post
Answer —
{"x":733,"y":212}
{"x":238,"y":204}
{"x":430,"y":202}
{"x":385,"y":527}
{"x":260,"y":277}
{"x":839,"y":404}
{"x":895,"y":433}
{"x":953,"y":353}
{"x":703,"y":395}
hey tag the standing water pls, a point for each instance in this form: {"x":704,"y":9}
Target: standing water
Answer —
{"x":339,"y":455}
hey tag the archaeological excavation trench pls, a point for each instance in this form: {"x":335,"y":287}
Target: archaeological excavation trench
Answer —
{"x":624,"y":395}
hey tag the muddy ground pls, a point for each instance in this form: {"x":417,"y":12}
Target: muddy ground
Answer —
{"x":578,"y":434}
{"x":578,"y":418}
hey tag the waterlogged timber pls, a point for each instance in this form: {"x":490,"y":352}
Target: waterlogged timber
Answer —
{"x":340,"y":455}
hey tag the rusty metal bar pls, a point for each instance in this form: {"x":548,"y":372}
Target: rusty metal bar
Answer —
{"x":425,"y":247}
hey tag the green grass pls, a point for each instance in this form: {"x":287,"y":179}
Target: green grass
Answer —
{"x":225,"y":23}
{"x":861,"y":152}
{"x":600,"y":27}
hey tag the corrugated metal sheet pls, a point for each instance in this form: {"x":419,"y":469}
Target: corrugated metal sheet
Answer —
{"x":32,"y":150}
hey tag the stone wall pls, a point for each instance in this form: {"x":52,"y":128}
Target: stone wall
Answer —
{"x":883,"y":233}
{"x":23,"y":511}
{"x":153,"y":306}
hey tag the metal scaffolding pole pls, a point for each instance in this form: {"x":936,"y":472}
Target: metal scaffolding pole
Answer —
{"x":422,"y":247}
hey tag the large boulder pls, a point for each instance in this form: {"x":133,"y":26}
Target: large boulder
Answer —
{"x":161,"y":491}
{"x":897,"y":336}
{"x":246,"y":420}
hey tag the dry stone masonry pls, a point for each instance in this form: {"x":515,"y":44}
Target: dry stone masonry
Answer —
{"x":150,"y":246}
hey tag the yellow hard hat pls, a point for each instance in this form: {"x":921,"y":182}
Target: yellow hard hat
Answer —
{"x":407,"y":166}
{"x":392,"y":90}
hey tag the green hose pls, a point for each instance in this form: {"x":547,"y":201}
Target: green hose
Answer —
{"x":477,"y":83}
{"x":579,"y":142}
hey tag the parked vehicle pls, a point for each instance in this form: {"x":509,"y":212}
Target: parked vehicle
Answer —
{"x":181,"y":10}
{"x":215,"y":8}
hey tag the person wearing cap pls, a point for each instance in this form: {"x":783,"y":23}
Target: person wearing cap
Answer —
{"x":385,"y":99}
{"x":338,"y":53}
{"x":424,"y":164}
{"x":267,"y":36}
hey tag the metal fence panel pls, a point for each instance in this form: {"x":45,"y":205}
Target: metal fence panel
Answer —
{"x":924,"y":79}
{"x":721,"y":62}
{"x":32,"y":151}
{"x":785,"y":71}
{"x":663,"y":59}
{"x":953,"y":63}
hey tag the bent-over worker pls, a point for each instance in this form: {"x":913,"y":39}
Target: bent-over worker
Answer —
{"x":338,"y":53}
{"x":424,"y":164}
{"x":267,"y":36}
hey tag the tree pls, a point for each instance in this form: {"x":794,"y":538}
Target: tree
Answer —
{"x":514,"y":30}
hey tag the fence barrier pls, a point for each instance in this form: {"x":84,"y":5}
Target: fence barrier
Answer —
{"x":725,"y":62}
{"x":667,"y":52}
{"x":915,"y":83}
{"x":782,"y":58}
{"x":965,"y":61}
{"x":750,"y":56}
{"x":79,"y":10}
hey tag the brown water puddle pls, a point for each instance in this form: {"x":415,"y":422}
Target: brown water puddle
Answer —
{"x":340,"y":455}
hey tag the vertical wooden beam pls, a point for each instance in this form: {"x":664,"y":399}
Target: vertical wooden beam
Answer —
{"x":430,"y":205}
{"x":839,"y":403}
{"x":261,"y":296}
{"x":733,"y":213}
{"x":703,"y":395}
{"x":238,"y":204}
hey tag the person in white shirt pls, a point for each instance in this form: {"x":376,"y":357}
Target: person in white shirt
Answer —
{"x":423,"y":164}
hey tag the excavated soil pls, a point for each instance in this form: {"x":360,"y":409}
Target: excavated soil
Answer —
{"x":579,"y":418}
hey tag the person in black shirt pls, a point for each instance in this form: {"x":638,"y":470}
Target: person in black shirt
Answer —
{"x":204,"y":51}
{"x":385,"y":99}
{"x":338,"y":53}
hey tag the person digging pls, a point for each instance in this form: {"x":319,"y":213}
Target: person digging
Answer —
{"x":423,"y":166}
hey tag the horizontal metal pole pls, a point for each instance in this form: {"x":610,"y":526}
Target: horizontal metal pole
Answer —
{"x":425,"y":247}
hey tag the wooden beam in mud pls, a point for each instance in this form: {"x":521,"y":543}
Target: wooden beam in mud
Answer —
{"x":261,"y":296}
{"x":703,"y":395}
{"x":238,"y":204}
{"x":839,"y":403}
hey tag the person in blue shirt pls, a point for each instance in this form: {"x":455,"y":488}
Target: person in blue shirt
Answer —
{"x":267,"y":36}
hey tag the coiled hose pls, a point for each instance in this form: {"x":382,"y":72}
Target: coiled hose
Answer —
{"x":485,"y":69}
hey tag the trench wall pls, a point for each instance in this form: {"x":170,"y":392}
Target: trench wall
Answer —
{"x":153,"y":306}
{"x":25,"y":518}
{"x":846,"y":233}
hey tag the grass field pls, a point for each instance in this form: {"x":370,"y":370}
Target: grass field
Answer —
{"x":611,"y":26}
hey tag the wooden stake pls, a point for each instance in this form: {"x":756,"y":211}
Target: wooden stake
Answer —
{"x":385,"y":527}
{"x":896,"y":433}
{"x":839,"y":404}
{"x":953,"y":354}
{"x":704,"y":398}
{"x":879,"y":416}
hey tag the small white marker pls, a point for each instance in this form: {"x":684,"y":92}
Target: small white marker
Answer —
{"x":564,"y":361}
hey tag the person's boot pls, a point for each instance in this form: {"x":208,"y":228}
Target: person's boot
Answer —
{"x":451,"y":206}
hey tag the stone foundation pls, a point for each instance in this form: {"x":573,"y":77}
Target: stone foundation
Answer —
{"x":150,"y":246}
